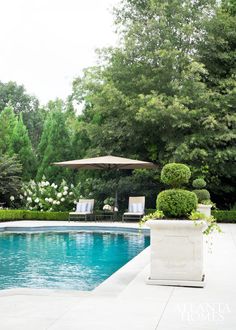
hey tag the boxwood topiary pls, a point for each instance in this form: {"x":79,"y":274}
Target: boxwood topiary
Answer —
{"x":175,"y":174}
{"x":176,"y":203}
{"x":202,"y":195}
{"x":199,"y":183}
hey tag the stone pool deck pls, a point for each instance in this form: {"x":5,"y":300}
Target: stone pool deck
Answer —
{"x":125,"y":302}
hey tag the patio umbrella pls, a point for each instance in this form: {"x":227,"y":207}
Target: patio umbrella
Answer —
{"x":106,"y":163}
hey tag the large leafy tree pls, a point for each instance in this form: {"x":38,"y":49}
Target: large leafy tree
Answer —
{"x":154,"y":97}
{"x":14,"y":95}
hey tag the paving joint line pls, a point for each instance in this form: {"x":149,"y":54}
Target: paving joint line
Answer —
{"x":164,"y":309}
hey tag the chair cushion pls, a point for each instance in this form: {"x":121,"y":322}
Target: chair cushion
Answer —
{"x":81,"y":207}
{"x":136,"y":208}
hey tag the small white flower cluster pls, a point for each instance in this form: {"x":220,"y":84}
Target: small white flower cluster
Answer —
{"x":43,"y":196}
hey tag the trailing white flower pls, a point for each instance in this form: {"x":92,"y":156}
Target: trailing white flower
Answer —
{"x":59,"y":195}
{"x":58,"y":202}
{"x":46,"y":199}
{"x":65,"y":193}
{"x":29,"y":199}
{"x":54,"y":202}
{"x":62,"y":199}
{"x":21,"y":197}
{"x":71,"y":193}
{"x":66,"y":188}
{"x":25,"y":194}
{"x":36,"y":200}
{"x":12,"y":198}
{"x":50,"y":200}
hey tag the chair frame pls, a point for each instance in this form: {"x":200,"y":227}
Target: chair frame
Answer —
{"x":131,"y":215}
{"x":74,"y":216}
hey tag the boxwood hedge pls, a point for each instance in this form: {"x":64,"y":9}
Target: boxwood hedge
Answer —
{"x":8,"y":215}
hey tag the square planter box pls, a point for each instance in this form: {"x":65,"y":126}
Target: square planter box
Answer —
{"x":177,"y":252}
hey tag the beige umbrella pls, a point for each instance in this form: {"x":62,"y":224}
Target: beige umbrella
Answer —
{"x":106,"y":163}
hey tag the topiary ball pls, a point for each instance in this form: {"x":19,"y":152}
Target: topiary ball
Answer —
{"x":175,"y":174}
{"x":202,"y":195}
{"x":199,"y":183}
{"x":176,"y":203}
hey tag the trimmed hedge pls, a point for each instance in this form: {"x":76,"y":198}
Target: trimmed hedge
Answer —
{"x":175,"y":174}
{"x":225,"y":216}
{"x":202,"y":195}
{"x":176,"y":202}
{"x":7,"y":215}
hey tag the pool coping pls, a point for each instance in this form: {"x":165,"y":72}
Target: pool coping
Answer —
{"x":111,"y":286}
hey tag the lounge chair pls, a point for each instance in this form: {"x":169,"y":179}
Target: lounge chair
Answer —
{"x":84,"y":210}
{"x":136,"y":208}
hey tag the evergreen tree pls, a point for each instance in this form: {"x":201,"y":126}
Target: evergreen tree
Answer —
{"x":22,"y":147}
{"x":7,"y":124}
{"x":55,"y":144}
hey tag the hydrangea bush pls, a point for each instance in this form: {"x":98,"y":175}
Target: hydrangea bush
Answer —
{"x":46,"y":196}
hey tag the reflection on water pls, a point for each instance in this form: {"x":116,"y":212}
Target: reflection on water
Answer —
{"x":74,"y":260}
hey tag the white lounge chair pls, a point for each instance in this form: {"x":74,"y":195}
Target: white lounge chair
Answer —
{"x":136,"y":208}
{"x":84,"y":210}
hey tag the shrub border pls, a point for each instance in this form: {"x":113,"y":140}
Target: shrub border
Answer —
{"x":8,"y":215}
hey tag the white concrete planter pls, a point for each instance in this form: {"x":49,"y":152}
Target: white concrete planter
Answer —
{"x":177,"y":252}
{"x":204,"y":209}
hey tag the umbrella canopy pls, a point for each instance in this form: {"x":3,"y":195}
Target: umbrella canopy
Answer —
{"x":106,"y":162}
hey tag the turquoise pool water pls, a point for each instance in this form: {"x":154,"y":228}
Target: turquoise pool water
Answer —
{"x":64,"y":260}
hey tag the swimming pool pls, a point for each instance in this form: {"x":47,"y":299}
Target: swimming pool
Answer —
{"x":65,"y":260}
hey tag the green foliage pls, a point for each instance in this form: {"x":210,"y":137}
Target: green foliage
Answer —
{"x":211,"y":222}
{"x":152,"y":216}
{"x":7,"y":215}
{"x":22,"y":147}
{"x":55,"y":144}
{"x":10,"y":178}
{"x":176,"y":202}
{"x":7,"y":123}
{"x":202,"y":195}
{"x":175,"y":175}
{"x":199,"y":183}
{"x":36,"y":215}
{"x":225,"y":216}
